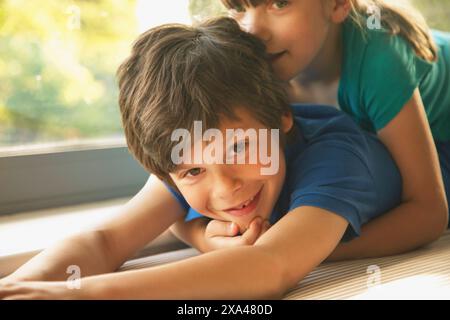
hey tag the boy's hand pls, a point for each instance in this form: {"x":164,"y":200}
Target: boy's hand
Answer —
{"x":225,"y":234}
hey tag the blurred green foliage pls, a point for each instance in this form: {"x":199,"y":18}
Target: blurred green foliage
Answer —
{"x":436,"y":12}
{"x":58,"y":60}
{"x":201,"y":9}
{"x":57,"y":66}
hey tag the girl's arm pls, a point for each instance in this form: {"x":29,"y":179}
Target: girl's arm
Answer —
{"x":280,"y":258}
{"x":107,"y":246}
{"x":422,"y":216}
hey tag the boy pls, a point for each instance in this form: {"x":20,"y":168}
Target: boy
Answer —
{"x":330,"y":177}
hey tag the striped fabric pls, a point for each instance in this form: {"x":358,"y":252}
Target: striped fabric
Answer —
{"x":421,"y":274}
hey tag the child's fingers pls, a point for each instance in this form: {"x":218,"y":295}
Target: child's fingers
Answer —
{"x":247,"y":238}
{"x":252,"y":233}
{"x":221,"y":235}
{"x":217,"y":228}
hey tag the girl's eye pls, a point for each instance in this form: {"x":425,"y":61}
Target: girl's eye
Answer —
{"x":192,"y":172}
{"x":280,"y":4}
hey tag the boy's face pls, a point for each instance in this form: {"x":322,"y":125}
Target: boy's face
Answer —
{"x":235,"y":192}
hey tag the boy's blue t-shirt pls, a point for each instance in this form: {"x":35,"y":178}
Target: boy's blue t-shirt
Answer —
{"x":380,"y":72}
{"x":334,"y":165}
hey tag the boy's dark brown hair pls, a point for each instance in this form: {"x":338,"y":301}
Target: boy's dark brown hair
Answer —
{"x":178,"y":74}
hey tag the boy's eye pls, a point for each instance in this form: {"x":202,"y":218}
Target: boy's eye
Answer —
{"x":240,"y":146}
{"x":280,"y":4}
{"x":192,"y":172}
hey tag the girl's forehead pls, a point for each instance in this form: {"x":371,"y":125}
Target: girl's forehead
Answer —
{"x":247,"y":3}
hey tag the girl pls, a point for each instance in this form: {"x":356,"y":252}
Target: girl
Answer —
{"x":381,"y":64}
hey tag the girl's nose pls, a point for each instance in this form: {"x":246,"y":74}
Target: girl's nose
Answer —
{"x":255,"y":23}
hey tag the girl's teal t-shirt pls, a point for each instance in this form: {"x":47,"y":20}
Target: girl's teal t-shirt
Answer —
{"x":380,"y":73}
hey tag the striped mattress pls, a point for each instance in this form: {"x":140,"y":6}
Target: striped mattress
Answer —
{"x":420,"y":274}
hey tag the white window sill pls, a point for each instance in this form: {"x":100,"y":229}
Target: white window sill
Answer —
{"x":25,"y":234}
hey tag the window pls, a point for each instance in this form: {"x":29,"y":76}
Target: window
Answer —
{"x":57,"y":71}
{"x":61,"y":140}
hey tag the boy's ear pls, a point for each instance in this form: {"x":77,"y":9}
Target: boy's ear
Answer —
{"x":340,"y":9}
{"x":287,"y":121}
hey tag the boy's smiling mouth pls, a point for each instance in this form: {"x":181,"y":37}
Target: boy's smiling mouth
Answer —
{"x":245,"y":207}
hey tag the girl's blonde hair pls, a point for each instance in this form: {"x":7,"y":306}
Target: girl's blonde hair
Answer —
{"x":399,"y":19}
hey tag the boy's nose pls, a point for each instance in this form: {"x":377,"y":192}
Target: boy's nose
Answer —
{"x":254,"y":22}
{"x":226,"y":185}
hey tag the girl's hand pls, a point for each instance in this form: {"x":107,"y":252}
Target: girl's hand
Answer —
{"x":224,"y":234}
{"x":39,"y":290}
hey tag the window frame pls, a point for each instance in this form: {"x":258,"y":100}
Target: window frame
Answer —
{"x":69,"y":174}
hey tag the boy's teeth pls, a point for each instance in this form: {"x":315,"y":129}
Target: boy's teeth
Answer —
{"x":246,"y":203}
{"x":241,"y":206}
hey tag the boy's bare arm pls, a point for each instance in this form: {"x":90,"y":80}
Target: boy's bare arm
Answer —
{"x":291,"y":249}
{"x":287,"y":252}
{"x":371,"y":243}
{"x":104,"y":248}
{"x":85,"y":250}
